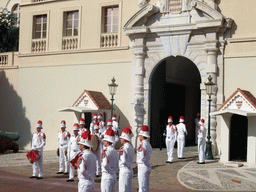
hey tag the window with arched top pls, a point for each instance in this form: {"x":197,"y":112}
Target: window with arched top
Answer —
{"x":16,"y":14}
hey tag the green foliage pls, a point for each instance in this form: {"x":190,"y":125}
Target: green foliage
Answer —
{"x":9,"y":34}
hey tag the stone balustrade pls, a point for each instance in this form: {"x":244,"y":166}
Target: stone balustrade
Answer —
{"x":6,"y":60}
{"x":109,"y":40}
{"x":70,"y":43}
{"x":38,"y":45}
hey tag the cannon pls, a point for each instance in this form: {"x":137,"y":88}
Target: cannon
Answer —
{"x":7,"y":141}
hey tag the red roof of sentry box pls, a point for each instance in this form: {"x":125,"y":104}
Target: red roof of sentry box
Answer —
{"x":98,"y":98}
{"x":246,"y":94}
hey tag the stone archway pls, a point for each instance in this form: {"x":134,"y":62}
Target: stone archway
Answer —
{"x":196,"y":33}
{"x":174,"y":90}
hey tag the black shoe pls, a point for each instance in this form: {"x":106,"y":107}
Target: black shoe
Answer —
{"x":200,"y":162}
{"x":39,"y":177}
{"x":97,"y":175}
{"x":65,"y":173}
{"x":60,"y":172}
{"x":181,"y":158}
{"x":70,"y":180}
{"x":33,"y":177}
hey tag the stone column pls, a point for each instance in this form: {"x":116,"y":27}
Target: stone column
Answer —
{"x":211,"y":69}
{"x":138,"y":75}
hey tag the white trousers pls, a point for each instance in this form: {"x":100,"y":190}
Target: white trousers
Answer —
{"x":86,"y":185}
{"x":180,"y":146}
{"x":170,"y":146}
{"x":108,"y":182}
{"x":201,"y":149}
{"x":143,"y":177}
{"x":125,"y":179}
{"x":38,"y":165}
{"x":63,"y":159}
{"x":71,"y":172}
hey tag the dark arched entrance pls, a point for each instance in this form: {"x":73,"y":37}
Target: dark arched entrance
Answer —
{"x":238,"y":138}
{"x":175,"y":91}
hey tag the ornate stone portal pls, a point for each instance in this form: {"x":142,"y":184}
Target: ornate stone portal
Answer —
{"x":196,"y":32}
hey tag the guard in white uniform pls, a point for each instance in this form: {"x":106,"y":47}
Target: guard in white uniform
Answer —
{"x":182,"y":131}
{"x":109,"y":126}
{"x":144,"y":151}
{"x":102,"y":124}
{"x":171,"y":138}
{"x":115,"y":127}
{"x":73,"y":150}
{"x":92,"y":123}
{"x":62,"y":144}
{"x":197,"y":119}
{"x":109,"y":163}
{"x":82,"y":126}
{"x":98,"y":152}
{"x":126,"y":154}
{"x":38,"y":143}
{"x":86,"y":164}
{"x":201,"y":142}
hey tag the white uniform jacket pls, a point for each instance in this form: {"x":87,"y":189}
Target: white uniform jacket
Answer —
{"x":63,"y":139}
{"x":73,"y":147}
{"x":126,"y":161}
{"x":202,"y":133}
{"x":92,"y":127}
{"x":144,"y":159}
{"x":171,"y":132}
{"x":38,"y":141}
{"x":110,"y":167}
{"x":181,"y":129}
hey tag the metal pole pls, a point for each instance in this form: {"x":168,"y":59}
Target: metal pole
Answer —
{"x":208,"y":152}
{"x":112,"y":101}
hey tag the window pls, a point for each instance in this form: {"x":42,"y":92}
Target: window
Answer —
{"x":71,"y":20}
{"x":39,"y":26}
{"x":110,"y":19}
{"x":16,"y":14}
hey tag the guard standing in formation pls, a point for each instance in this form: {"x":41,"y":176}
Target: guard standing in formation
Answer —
{"x":102,"y":124}
{"x":73,"y":150}
{"x":126,"y":154}
{"x":115,"y":127}
{"x":197,"y":119}
{"x":144,"y":152}
{"x":201,"y":142}
{"x":109,"y":163}
{"x":62,"y":143}
{"x":182,"y":131}
{"x":99,"y":150}
{"x":171,"y":137}
{"x":82,"y":126}
{"x":38,"y":143}
{"x":86,"y":164}
{"x":93,"y":122}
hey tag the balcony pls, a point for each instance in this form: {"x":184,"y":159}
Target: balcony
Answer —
{"x":70,"y":43}
{"x":109,"y":40}
{"x":38,"y":45}
{"x":7,"y":60}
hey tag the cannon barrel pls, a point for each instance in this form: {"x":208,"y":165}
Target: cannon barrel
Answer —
{"x":12,"y":135}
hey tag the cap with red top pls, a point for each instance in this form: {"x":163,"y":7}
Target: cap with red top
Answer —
{"x":96,"y":125}
{"x":95,"y":116}
{"x":144,"y":131}
{"x":63,"y":124}
{"x":109,"y":136}
{"x":127,"y":133}
{"x":82,"y":121}
{"x":109,"y":122}
{"x":181,"y":119}
{"x":85,"y":139}
{"x":100,"y":116}
{"x":201,"y":122}
{"x":76,"y":127}
{"x":39,"y":124}
{"x":114,"y":117}
{"x":170,"y":119}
